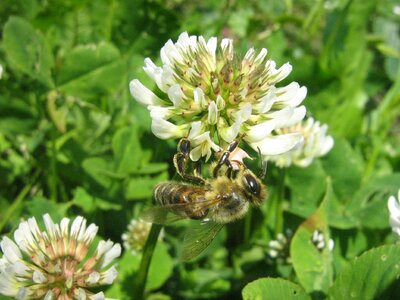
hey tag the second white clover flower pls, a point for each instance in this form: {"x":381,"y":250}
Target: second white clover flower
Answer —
{"x":394,"y":213}
{"x":315,"y":143}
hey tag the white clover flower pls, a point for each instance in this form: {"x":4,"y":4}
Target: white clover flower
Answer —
{"x":315,"y":143}
{"x":318,"y":239}
{"x":54,"y":264}
{"x":279,"y":248}
{"x":211,"y":96}
{"x":396,"y":10}
{"x":394,"y":213}
{"x":135,"y":237}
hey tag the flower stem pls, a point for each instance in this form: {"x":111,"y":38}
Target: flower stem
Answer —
{"x":17,"y":202}
{"x":141,"y":277}
{"x":280,"y":199}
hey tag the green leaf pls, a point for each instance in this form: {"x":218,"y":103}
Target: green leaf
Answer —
{"x":345,"y":40}
{"x":27,"y":50}
{"x":348,"y":244}
{"x":142,"y":187}
{"x":89,"y":203}
{"x":16,"y":116}
{"x":307,"y":187}
{"x":206,"y":284}
{"x":239,"y":21}
{"x":273,"y":288}
{"x":158,"y":296}
{"x":345,"y":167}
{"x":38,"y":206}
{"x":99,"y":169}
{"x":370,"y":203}
{"x":346,"y":119}
{"x":102,"y":71}
{"x":127,"y":150}
{"x":151,"y":168}
{"x":373,"y":275}
{"x":340,"y":216}
{"x":313,"y":266}
{"x":388,"y":30}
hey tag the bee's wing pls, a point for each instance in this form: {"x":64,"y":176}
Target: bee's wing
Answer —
{"x":198,"y":238}
{"x":159,"y":215}
{"x":171,"y":213}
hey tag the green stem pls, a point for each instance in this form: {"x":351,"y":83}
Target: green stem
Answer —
{"x":370,"y":165}
{"x":53,"y":178}
{"x":141,"y":277}
{"x":16,"y":204}
{"x":279,"y":204}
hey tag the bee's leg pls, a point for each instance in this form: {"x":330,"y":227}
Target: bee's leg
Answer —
{"x":181,"y":157}
{"x":229,"y":170}
{"x":200,"y":215}
{"x":264,"y":165}
{"x":181,"y":161}
{"x":224,"y":159}
{"x":197,"y":168}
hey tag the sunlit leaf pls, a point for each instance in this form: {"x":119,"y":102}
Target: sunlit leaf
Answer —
{"x":101,"y":73}
{"x":370,"y":202}
{"x":27,"y":50}
{"x":89,"y":203}
{"x":38,"y":206}
{"x":142,"y":187}
{"x":344,"y":165}
{"x":127,"y":150}
{"x":313,"y":265}
{"x":273,"y":289}
{"x":307,"y":186}
{"x":99,"y":169}
{"x":373,"y":275}
{"x":206,"y":283}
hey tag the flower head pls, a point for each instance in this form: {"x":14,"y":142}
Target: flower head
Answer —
{"x":136,"y":236}
{"x":279,"y":249}
{"x":211,"y":96}
{"x":315,"y":144}
{"x":54,"y":264}
{"x":394,"y":213}
{"x":318,"y":239}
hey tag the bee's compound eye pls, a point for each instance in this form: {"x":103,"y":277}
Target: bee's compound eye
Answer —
{"x":252,"y":184}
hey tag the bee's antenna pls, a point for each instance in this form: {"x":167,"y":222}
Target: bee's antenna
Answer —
{"x":263,"y":165}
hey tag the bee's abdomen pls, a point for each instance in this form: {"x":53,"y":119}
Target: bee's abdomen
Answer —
{"x":175,"y":193}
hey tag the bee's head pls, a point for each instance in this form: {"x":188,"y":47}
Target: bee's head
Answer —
{"x":254,"y":187}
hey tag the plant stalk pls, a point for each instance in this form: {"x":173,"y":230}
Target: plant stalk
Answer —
{"x":280,"y":199}
{"x":148,"y":250}
{"x":17,"y":203}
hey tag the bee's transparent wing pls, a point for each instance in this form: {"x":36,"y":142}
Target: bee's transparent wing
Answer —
{"x":198,"y":238}
{"x":160,"y":215}
{"x":171,"y":213}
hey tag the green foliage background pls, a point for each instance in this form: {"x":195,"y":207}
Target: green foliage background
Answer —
{"x":74,"y":142}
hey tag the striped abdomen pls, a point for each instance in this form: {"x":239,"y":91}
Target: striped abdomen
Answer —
{"x":173,"y":194}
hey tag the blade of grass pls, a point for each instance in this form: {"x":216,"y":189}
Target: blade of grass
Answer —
{"x":18,"y":201}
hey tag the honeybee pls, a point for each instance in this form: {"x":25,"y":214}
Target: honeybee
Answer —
{"x":224,"y":198}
